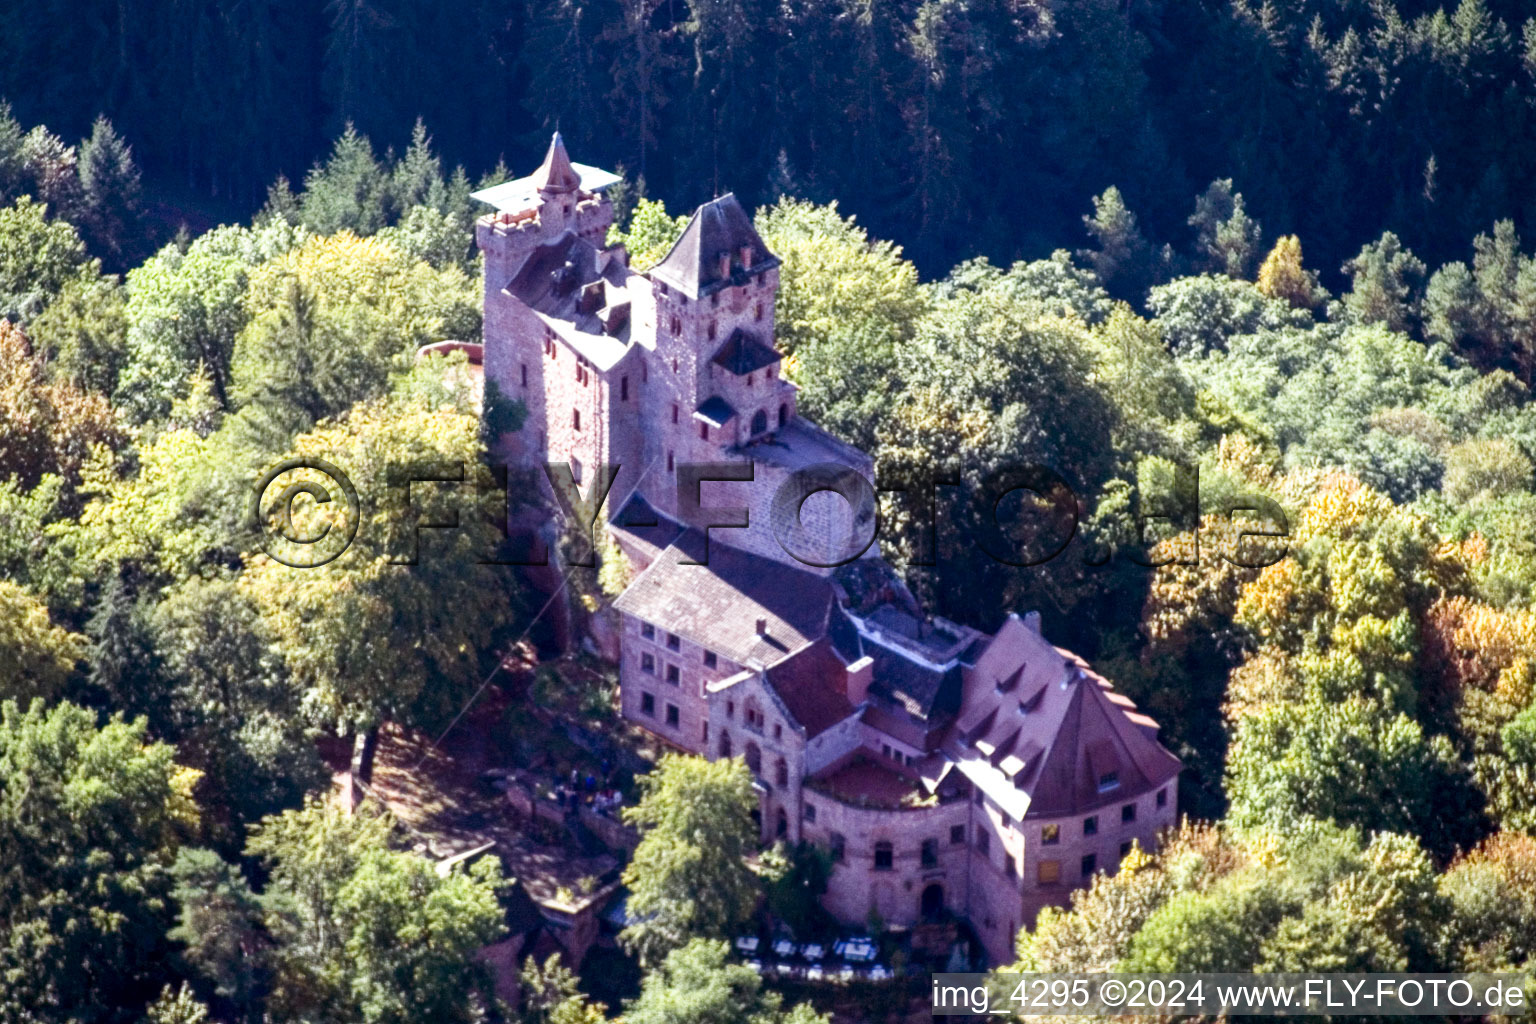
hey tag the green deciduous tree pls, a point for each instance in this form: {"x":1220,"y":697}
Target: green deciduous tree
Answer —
{"x":845,"y":306}
{"x":396,"y":626}
{"x":90,"y":818}
{"x":698,"y":984}
{"x":38,"y":257}
{"x":331,"y":321}
{"x":689,"y":877}
{"x":38,"y":657}
{"x":367,"y":933}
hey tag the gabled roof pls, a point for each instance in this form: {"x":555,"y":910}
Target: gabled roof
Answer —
{"x":583,"y":294}
{"x":1039,"y":730}
{"x":813,"y":687}
{"x":743,"y":353}
{"x":718,"y":233}
{"x":718,"y":605}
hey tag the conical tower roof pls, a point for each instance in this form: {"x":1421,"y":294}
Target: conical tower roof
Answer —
{"x":556,"y":174}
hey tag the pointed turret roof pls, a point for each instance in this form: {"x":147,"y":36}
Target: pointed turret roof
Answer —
{"x":556,"y":174}
{"x":708,"y":255}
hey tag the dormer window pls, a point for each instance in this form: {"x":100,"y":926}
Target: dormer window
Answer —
{"x":1109,"y":781}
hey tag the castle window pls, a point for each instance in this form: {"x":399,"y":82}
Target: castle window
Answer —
{"x":703,"y":431}
{"x":769,"y":373}
{"x":525,"y":375}
{"x":1162,"y":797}
{"x":930,"y":852}
{"x":677,"y":326}
{"x":673,"y":676}
{"x":808,"y":812}
{"x":672,"y":715}
{"x":754,"y":758}
{"x":885,"y":857}
{"x":623,"y":389}
{"x":778,"y":731}
{"x":714,"y":301}
{"x":757,"y":311}
{"x":725,"y":744}
{"x":1090,"y":865}
{"x":648,"y":664}
{"x":1048,"y":872}
{"x":575,"y":419}
{"x":575,"y":470}
{"x":983,"y":839}
{"x":1125,"y":849}
{"x":669,"y":462}
{"x":674,"y":365}
{"x":648,"y":705}
{"x":711,"y":330}
{"x":730,"y":709}
{"x":1010,"y":868}
{"x":1128,"y":813}
{"x":709,"y":659}
{"x":674,"y":414}
{"x":839,"y":846}
{"x":674,"y":643}
{"x":648,"y":631}
{"x":1050,"y":835}
{"x":1091,"y":825}
{"x":781,"y":773}
{"x":783,"y":414}
{"x":759,"y":422}
{"x":645,"y":372}
{"x":957,"y":835}
{"x":705,"y":734}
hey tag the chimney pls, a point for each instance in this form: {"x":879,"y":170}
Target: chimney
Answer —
{"x":746,"y":257}
{"x":725,"y":265}
{"x":860,"y":674}
{"x":762,"y":627}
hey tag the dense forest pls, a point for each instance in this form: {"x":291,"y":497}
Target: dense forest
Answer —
{"x":1192,"y":257}
{"x":955,"y":128}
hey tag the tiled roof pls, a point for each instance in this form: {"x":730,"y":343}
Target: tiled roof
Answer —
{"x":743,"y":353}
{"x":813,"y":686}
{"x":1039,"y":730}
{"x":718,"y":229}
{"x":719,"y":604}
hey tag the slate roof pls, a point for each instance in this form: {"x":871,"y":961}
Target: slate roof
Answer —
{"x":715,"y":411}
{"x":716,"y":228}
{"x":582,"y":292}
{"x":743,"y":353}
{"x":717,"y":605}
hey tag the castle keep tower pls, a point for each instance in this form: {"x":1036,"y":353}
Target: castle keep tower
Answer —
{"x":649,"y":372}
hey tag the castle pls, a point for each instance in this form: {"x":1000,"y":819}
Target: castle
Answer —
{"x":946,"y":771}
